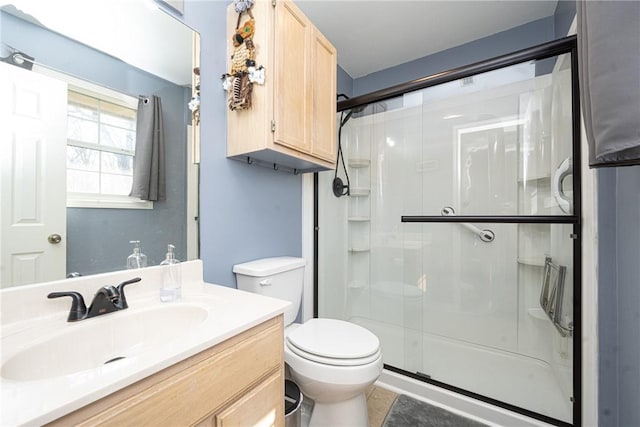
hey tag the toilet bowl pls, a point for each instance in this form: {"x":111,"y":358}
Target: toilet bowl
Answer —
{"x":332,"y":361}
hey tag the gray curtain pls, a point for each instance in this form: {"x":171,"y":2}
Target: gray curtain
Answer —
{"x":148,"y":164}
{"x":609,"y":74}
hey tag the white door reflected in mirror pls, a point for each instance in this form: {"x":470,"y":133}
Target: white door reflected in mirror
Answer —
{"x":32,"y":142}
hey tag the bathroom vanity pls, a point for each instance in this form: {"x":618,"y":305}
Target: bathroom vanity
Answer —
{"x":214,"y":358}
{"x":237,"y":382}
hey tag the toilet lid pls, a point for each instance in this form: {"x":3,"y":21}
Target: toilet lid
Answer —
{"x":333,"y":339}
{"x":331,"y":360}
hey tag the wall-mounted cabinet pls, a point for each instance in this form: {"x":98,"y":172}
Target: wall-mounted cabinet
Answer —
{"x":292,"y":120}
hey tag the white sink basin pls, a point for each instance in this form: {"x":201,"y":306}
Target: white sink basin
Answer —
{"x":109,"y":340}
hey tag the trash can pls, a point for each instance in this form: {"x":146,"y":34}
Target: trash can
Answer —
{"x":292,"y":404}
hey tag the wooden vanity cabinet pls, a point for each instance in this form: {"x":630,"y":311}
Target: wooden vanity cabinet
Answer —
{"x":235,"y":383}
{"x":292,"y":120}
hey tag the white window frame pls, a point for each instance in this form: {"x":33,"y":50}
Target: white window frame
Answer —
{"x":92,"y":200}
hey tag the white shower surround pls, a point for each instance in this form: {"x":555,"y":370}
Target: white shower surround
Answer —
{"x":543,"y":355}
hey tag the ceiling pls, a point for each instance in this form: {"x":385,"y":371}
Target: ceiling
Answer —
{"x":374,"y":35}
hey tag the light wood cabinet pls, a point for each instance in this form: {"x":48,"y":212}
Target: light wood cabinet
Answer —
{"x":323,"y":132}
{"x":237,"y":382}
{"x":254,"y":409}
{"x":292,"y":120}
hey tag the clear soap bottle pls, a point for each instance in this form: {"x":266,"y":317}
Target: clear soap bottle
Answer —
{"x":171,"y":277}
{"x":137,"y":259}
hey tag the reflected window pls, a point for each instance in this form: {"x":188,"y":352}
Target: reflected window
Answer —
{"x":101,"y":137}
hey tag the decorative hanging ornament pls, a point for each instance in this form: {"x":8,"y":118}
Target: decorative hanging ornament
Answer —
{"x":244,"y":73}
{"x":243,"y":5}
{"x":256,"y":75}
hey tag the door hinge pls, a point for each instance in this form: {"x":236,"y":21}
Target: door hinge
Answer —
{"x":273,"y":125}
{"x":273,"y":3}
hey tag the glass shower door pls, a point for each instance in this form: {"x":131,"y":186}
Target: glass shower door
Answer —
{"x":457,"y":246}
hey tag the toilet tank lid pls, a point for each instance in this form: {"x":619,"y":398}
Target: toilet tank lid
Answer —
{"x":268,"y":266}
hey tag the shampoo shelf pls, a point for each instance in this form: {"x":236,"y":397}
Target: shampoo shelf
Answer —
{"x":358,"y":219}
{"x":534,"y":179}
{"x":359,"y":163}
{"x":356,"y":284}
{"x":359,"y":192}
{"x":531,"y":261}
{"x":538,"y":314}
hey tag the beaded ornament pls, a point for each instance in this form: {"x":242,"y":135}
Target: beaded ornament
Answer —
{"x":244,"y":73}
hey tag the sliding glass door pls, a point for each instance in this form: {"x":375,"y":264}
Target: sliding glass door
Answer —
{"x":458,"y":241}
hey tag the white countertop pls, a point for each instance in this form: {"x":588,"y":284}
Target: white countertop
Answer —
{"x":36,"y":402}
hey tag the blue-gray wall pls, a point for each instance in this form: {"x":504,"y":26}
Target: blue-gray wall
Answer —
{"x":563,"y":17}
{"x":98,"y":239}
{"x":619,"y":295}
{"x":246,"y":212}
{"x":345,"y":83}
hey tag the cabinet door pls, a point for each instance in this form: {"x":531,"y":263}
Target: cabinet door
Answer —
{"x":323,"y":113}
{"x":292,"y":100}
{"x":263,"y":406}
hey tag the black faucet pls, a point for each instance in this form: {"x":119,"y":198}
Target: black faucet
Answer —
{"x":107,"y":300}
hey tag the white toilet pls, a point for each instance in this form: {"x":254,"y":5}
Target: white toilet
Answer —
{"x":332,"y":361}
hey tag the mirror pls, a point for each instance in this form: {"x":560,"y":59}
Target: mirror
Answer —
{"x":89,"y":64}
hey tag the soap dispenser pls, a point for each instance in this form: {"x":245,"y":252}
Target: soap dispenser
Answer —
{"x":171,"y":279}
{"x":137,"y":259}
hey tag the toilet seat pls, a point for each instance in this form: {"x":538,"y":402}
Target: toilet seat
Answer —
{"x":333,"y":361}
{"x":334,"y":342}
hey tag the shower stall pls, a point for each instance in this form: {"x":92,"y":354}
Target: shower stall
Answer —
{"x":454,"y":234}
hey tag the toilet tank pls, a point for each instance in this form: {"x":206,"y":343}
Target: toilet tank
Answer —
{"x":280,"y":277}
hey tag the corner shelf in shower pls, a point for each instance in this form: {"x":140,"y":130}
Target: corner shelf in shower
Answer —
{"x":356,"y":284}
{"x":538,"y":178}
{"x":359,"y":192}
{"x":538,"y":314}
{"x":531,"y":261}
{"x":358,"y":163}
{"x":358,"y":219}
{"x":359,"y":250}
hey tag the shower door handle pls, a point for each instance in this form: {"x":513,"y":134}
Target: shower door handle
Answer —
{"x":486,"y":235}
